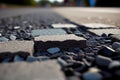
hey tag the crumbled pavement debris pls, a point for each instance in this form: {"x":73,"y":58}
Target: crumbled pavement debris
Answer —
{"x":98,"y":60}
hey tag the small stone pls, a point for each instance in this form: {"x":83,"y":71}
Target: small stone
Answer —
{"x":116,"y":45}
{"x":57,"y":55}
{"x":53,"y":50}
{"x":114,"y":64}
{"x":29,"y":27}
{"x":31,"y":59}
{"x":92,"y":76}
{"x":12,"y":37}
{"x":115,"y":37}
{"x":118,"y":50}
{"x":17,"y":27}
{"x":115,"y":67}
{"x":6,"y":60}
{"x":3,"y":39}
{"x":69,"y":72}
{"x":103,"y":61}
{"x":107,"y":41}
{"x":107,"y":51}
{"x":117,"y":72}
{"x":18,"y":58}
{"x":93,"y":69}
{"x":70,"y":53}
{"x":78,"y":33}
{"x":40,"y":58}
{"x":41,"y":53}
{"x":64,"y":26}
{"x":106,"y":75}
{"x":79,"y":66}
{"x":92,"y":42}
{"x":66,"y":57}
{"x":104,"y":35}
{"x":0,"y":34}
{"x":62,"y":62}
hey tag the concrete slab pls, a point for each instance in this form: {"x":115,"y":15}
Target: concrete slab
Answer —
{"x":98,"y":26}
{"x":47,"y":70}
{"x":22,"y":48}
{"x":61,"y":41}
{"x":64,"y":26}
{"x":106,"y":31}
{"x":42,"y":32}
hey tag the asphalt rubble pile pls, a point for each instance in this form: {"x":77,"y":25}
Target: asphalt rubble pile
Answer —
{"x":100,"y":60}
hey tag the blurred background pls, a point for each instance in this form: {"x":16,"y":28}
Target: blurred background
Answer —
{"x":60,"y":3}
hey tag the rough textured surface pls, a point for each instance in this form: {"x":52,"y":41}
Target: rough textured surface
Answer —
{"x":91,"y":15}
{"x":47,"y":70}
{"x":48,"y":32}
{"x":106,"y":31}
{"x":22,"y":48}
{"x":59,"y":38}
{"x":61,"y":41}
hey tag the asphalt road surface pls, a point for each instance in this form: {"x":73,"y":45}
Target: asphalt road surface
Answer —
{"x":75,"y":14}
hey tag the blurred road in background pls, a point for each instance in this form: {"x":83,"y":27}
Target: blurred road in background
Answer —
{"x":75,"y":14}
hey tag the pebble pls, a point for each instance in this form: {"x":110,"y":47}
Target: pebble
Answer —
{"x":92,"y":76}
{"x":117,"y":72}
{"x":6,"y":60}
{"x":92,"y":43}
{"x":118,"y":50}
{"x":0,"y":34}
{"x":69,"y":72}
{"x":12,"y":37}
{"x":106,"y":51}
{"x":103,"y":61}
{"x":114,"y":64}
{"x":80,"y":67}
{"x":70,"y":53}
{"x":93,"y":69}
{"x":66,"y":57}
{"x":62,"y":62}
{"x":115,"y":67}
{"x":106,"y":75}
{"x":53,"y":50}
{"x":41,"y":53}
{"x":57,"y":55}
{"x":39,"y":58}
{"x":18,"y":58}
{"x":78,"y":33}
{"x":17,"y":27}
{"x":116,"y":45}
{"x":104,"y":35}
{"x":42,"y":58}
{"x":31,"y":59}
{"x":3,"y":39}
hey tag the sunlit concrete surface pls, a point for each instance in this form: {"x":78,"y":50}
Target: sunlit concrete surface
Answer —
{"x":91,"y":15}
{"x":76,"y":14}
